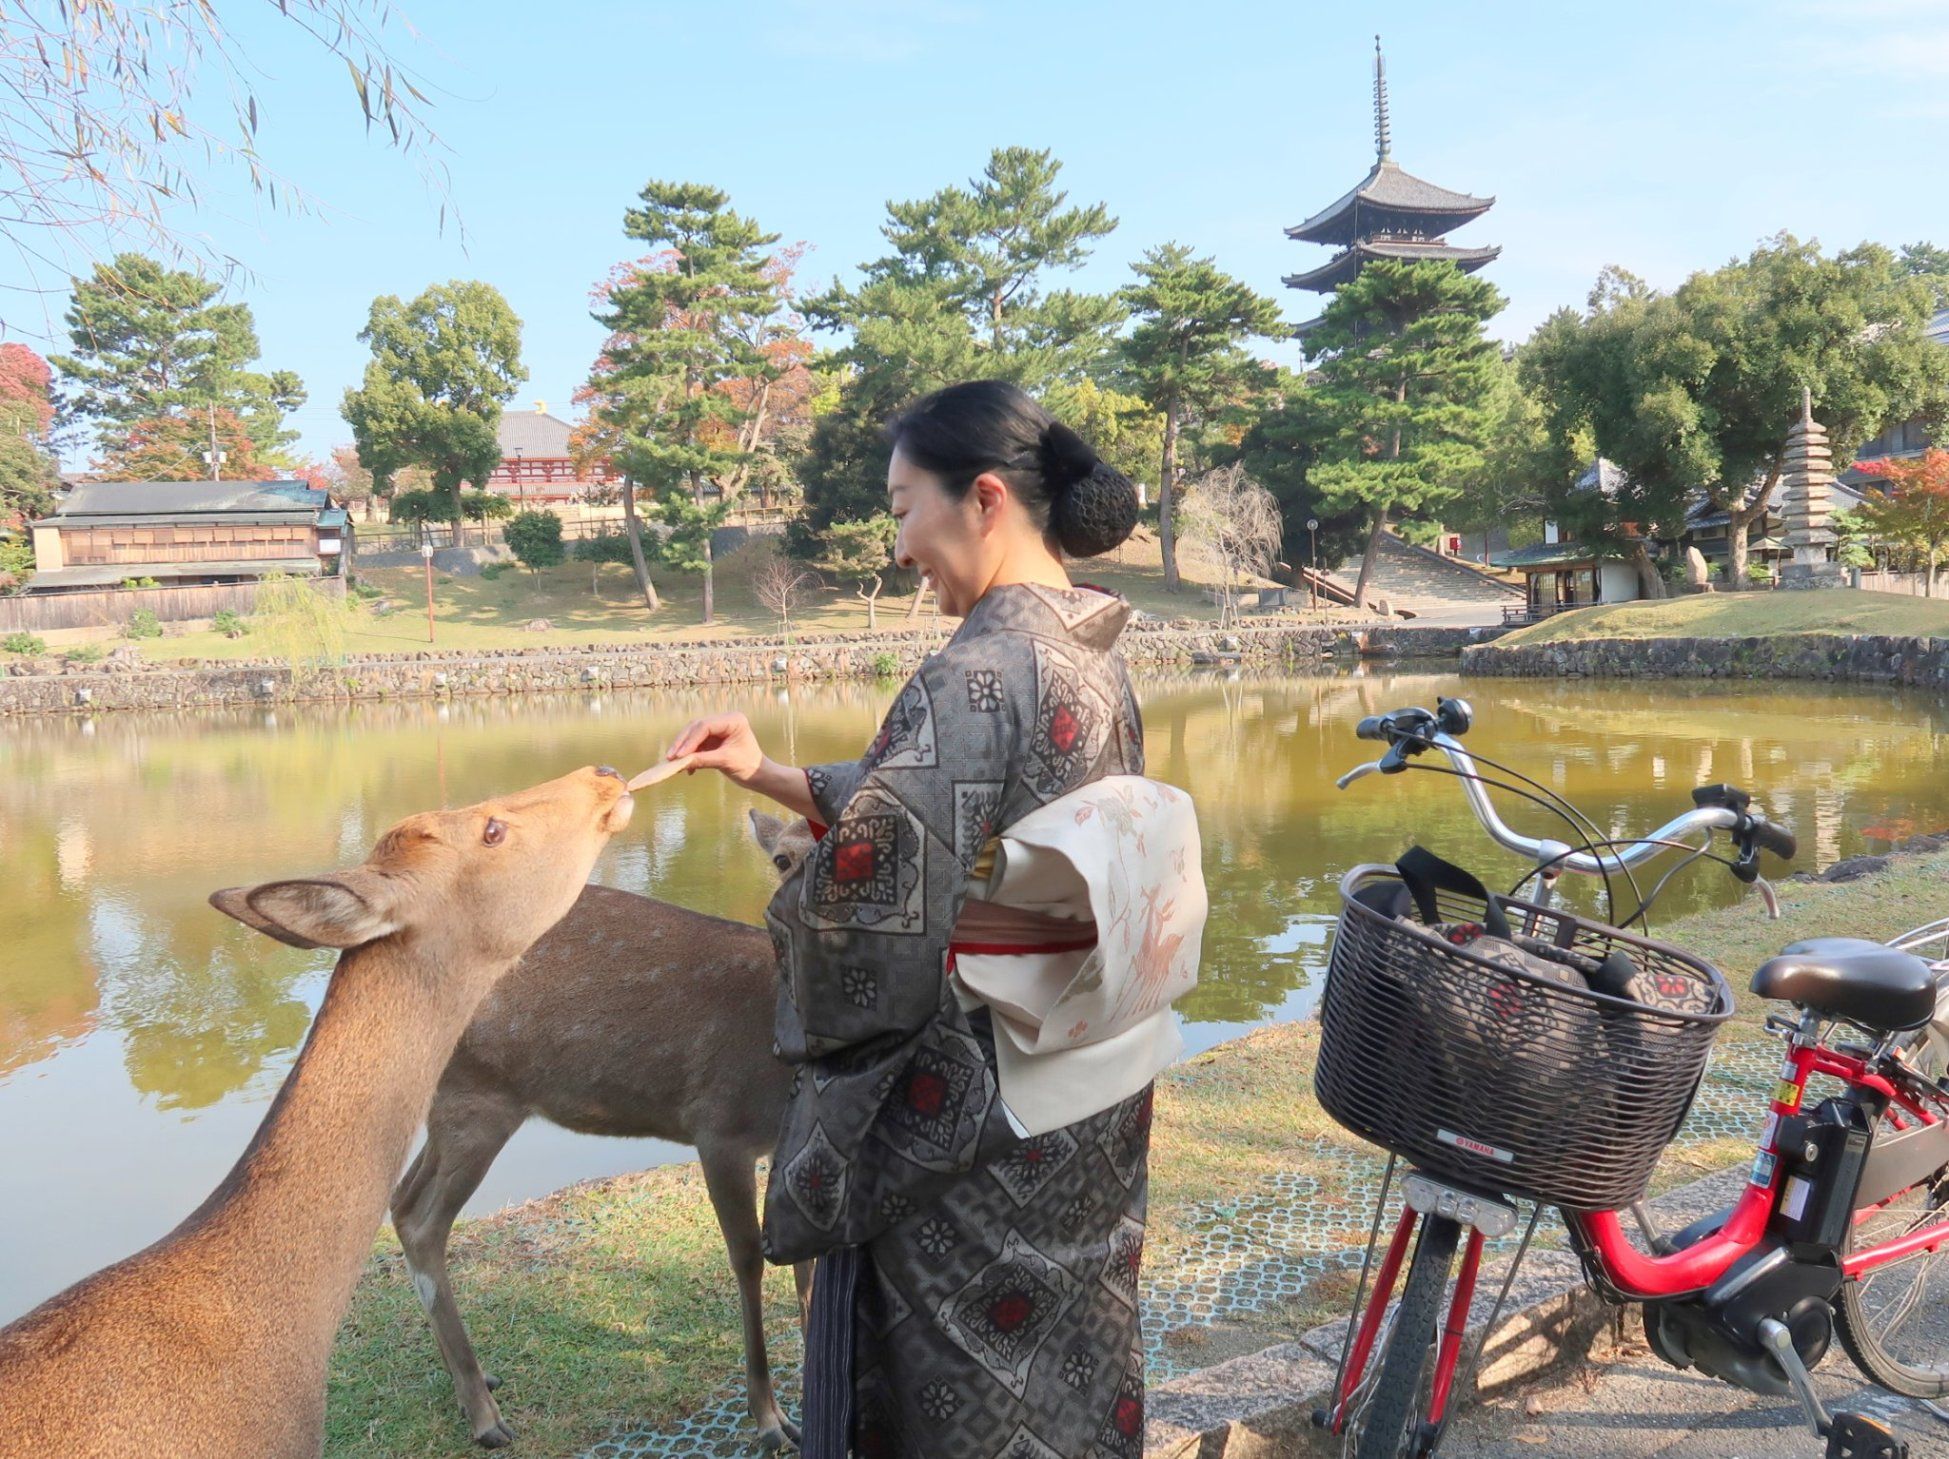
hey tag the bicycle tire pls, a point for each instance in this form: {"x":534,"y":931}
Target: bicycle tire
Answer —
{"x":1853,"y":1321}
{"x":1397,"y":1391}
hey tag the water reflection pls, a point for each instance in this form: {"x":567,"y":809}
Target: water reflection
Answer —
{"x":160,"y":1021}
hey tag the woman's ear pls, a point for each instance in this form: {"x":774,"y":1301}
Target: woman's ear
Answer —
{"x":990,"y":495}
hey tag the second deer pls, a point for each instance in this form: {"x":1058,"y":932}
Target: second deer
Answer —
{"x":631,"y":1017}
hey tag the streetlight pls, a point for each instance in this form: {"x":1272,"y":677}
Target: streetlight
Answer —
{"x":1313,"y":552}
{"x":426,"y":556}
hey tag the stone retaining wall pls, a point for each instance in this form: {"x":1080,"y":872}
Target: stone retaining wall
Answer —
{"x":1865,"y":658}
{"x":126,"y":681}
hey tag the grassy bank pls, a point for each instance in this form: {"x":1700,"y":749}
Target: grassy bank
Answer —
{"x":610,"y":1303}
{"x":1746,"y":615}
{"x":603,"y":607}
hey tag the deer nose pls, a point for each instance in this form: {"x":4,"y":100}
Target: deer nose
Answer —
{"x":609,"y":770}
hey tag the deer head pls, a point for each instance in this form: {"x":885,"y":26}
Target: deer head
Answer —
{"x":487,"y":879}
{"x":787,"y":843}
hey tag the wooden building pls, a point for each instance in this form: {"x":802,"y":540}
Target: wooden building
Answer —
{"x":1390,"y":213}
{"x":188,"y":532}
{"x":537,"y":467}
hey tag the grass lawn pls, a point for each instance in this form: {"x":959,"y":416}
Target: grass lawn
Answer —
{"x":1747,"y":615}
{"x":482,"y":613}
{"x":610,"y":1302}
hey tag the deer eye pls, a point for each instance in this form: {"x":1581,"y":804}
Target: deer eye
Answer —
{"x":495,"y":832}
{"x":781,"y":861}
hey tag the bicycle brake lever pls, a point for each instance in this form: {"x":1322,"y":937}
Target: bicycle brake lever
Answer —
{"x":1767,"y":896}
{"x":1370,"y":768}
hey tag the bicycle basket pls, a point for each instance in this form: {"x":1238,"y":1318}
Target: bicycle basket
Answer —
{"x":1492,"y":1075}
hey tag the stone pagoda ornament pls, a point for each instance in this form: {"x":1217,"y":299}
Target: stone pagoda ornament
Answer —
{"x":1806,"y":477}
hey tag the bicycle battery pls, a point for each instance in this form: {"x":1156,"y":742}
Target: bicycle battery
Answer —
{"x":1822,"y":1154}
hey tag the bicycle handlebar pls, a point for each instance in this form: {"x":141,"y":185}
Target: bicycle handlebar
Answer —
{"x":1410,"y":732}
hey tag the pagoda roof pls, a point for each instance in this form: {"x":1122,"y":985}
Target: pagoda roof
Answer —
{"x":1390,"y":200}
{"x":1344,"y":265}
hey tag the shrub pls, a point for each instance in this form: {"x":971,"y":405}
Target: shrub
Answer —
{"x":86,"y":653}
{"x":139,"y":583}
{"x":886,"y":664}
{"x":230,"y":623}
{"x":142,"y":623}
{"x":365,"y":592}
{"x":493,"y":570}
{"x":536,"y":538}
{"x":23,"y":643}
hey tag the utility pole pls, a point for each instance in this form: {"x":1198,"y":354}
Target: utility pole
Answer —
{"x":213,"y":455}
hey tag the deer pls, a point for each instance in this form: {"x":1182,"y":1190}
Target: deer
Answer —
{"x":212,"y":1343}
{"x":632,"y":1017}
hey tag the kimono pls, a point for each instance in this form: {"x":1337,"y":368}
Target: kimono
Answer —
{"x":977,"y":1291}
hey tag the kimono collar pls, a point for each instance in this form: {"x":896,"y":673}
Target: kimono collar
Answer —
{"x":1087,"y":617}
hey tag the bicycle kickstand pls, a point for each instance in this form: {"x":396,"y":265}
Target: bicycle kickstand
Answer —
{"x":1848,"y":1435}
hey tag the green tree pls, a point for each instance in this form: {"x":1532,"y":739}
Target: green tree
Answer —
{"x":1185,"y":355}
{"x":686,"y":326}
{"x":965,"y":293}
{"x":150,"y":341}
{"x":1405,"y":372}
{"x":1279,"y":449}
{"x":688,"y":524}
{"x":535,"y":538}
{"x":443,"y":364}
{"x":1928,"y":262}
{"x":860,"y":552}
{"x":1691,"y":393}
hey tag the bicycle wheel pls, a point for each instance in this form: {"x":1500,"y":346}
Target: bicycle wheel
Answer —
{"x":1894,"y":1322}
{"x":1387,"y":1420}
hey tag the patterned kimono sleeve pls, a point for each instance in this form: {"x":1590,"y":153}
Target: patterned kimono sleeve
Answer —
{"x":884,"y":887}
{"x":894,"y":1092}
{"x":831,"y":786}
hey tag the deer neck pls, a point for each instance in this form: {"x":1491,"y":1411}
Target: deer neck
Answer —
{"x":292,"y":1224}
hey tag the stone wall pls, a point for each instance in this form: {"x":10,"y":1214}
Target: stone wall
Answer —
{"x":1863,"y":658}
{"x":126,"y":681}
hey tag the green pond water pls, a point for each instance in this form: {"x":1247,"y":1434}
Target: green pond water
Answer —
{"x":142,"y":1034}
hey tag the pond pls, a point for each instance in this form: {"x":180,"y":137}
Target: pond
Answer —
{"x":142,"y":1034}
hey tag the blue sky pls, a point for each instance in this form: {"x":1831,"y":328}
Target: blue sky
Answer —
{"x":1662,"y":136}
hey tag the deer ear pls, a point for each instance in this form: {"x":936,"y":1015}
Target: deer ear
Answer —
{"x":765,"y":830}
{"x":342,"y":911}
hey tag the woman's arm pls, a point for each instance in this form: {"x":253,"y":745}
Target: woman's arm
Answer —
{"x":726,"y":742}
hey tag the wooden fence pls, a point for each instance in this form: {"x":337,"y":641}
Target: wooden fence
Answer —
{"x":112,"y":607}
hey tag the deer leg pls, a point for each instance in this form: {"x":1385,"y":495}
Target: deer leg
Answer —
{"x":463,"y":1135}
{"x":732,"y":1179}
{"x":802,"y":1279}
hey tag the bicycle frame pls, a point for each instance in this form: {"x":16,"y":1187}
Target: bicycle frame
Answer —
{"x":1631,"y":1273}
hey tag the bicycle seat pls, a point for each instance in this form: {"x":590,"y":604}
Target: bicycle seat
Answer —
{"x":1850,"y":977}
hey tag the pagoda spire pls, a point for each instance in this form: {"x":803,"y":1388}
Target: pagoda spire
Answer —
{"x":1383,"y":143}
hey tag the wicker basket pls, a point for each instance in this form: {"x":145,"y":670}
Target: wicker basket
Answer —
{"x":1502,"y":1079}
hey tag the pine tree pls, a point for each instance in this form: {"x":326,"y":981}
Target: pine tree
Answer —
{"x":1186,"y":355}
{"x":683,"y":325}
{"x":1405,"y":374}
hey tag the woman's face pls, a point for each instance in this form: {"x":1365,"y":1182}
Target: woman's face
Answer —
{"x":952,"y":542}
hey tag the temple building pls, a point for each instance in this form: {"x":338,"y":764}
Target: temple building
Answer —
{"x":1388,"y":214}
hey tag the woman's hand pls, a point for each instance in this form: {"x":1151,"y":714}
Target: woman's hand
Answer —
{"x":720,"y":742}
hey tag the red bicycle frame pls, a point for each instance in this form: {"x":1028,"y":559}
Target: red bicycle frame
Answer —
{"x":1632,"y":1273}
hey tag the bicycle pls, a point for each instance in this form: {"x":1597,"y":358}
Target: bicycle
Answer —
{"x":1459,"y":1043}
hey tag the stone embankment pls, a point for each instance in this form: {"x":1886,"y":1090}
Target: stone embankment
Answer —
{"x":1863,"y":658}
{"x":127,"y":681}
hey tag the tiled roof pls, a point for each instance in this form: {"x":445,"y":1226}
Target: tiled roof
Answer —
{"x":174,"y":498}
{"x":536,"y":434}
{"x":1345,"y":264}
{"x":1388,"y":189}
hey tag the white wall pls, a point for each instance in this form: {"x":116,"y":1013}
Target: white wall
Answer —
{"x":1617,"y":582}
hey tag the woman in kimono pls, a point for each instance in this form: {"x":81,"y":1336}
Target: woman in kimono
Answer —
{"x":976,"y":1292}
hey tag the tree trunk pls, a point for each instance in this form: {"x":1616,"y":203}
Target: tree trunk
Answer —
{"x":1740,"y":515}
{"x":1650,"y":581}
{"x":1369,"y":557}
{"x":1166,"y":500}
{"x":635,"y":530}
{"x":920,"y":596}
{"x":710,"y":581}
{"x":872,"y":604}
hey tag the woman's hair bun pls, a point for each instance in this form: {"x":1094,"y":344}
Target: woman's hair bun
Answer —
{"x":1066,"y":458}
{"x":1095,"y":513}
